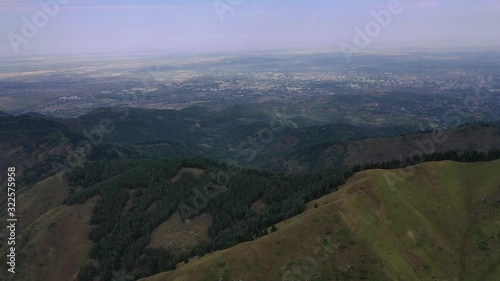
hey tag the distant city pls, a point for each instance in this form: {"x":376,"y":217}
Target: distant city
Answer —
{"x":411,"y":86}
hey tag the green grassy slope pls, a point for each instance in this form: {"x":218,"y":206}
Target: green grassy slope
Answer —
{"x":52,"y":239}
{"x":437,"y":221}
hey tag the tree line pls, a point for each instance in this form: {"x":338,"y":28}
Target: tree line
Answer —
{"x":121,"y":239}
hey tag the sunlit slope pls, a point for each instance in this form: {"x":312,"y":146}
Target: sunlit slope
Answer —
{"x":52,"y":239}
{"x":441,"y":221}
{"x":436,"y":221}
{"x":57,"y":244}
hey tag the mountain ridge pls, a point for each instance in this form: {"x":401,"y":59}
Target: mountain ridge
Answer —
{"x":358,"y":207}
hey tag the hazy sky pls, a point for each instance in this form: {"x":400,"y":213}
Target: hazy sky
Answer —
{"x":101,"y":26}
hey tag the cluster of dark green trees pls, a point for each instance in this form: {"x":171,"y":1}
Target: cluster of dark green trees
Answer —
{"x":121,"y":238}
{"x":453,"y":155}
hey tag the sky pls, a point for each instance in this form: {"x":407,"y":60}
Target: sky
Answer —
{"x":52,"y":27}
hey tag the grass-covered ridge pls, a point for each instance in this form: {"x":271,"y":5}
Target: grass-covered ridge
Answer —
{"x":440,"y":223}
{"x":132,"y":210}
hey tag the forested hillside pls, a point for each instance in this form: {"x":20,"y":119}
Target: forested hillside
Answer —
{"x":247,"y":136}
{"x":139,"y":183}
{"x":227,"y":193}
{"x":439,"y":223}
